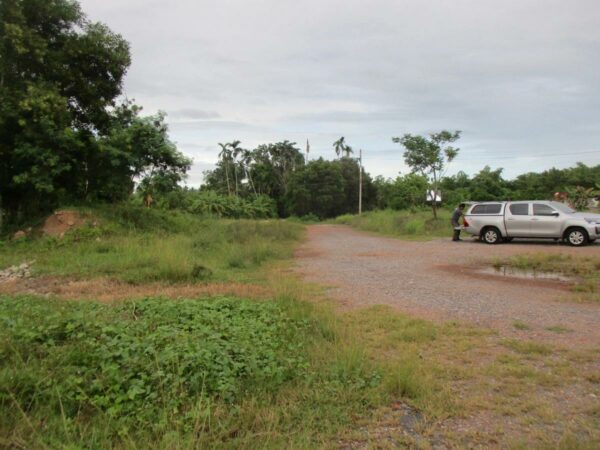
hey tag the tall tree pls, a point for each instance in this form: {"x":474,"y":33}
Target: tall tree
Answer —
{"x":225,"y":155}
{"x":236,"y":151}
{"x":430,"y":156}
{"x":246,"y":161}
{"x":316,"y":189}
{"x":63,"y":134}
{"x":341,"y":147}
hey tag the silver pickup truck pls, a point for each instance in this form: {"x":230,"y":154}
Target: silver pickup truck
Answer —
{"x":495,"y":222}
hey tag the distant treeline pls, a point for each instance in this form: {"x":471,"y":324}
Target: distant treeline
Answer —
{"x":278,"y":175}
{"x":68,"y":137}
{"x":406,"y":191}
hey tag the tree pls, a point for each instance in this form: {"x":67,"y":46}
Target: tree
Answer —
{"x":350,"y":173}
{"x":63,"y":135}
{"x":340,"y":147}
{"x":316,"y":189}
{"x":225,"y":155}
{"x":246,"y":162}
{"x":488,"y":185}
{"x":429,"y":156}
{"x":236,"y":151}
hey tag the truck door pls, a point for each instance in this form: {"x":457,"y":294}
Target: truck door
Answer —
{"x":517,"y":219}
{"x":546,"y":221}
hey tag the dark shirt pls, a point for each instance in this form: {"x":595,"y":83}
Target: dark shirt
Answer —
{"x":456,"y":215}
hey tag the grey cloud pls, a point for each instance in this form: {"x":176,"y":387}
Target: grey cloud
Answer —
{"x":191,"y":113}
{"x":519,"y":77}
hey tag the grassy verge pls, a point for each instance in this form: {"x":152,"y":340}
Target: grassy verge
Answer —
{"x":585,"y":270}
{"x":404,"y":224}
{"x":140,"y":245}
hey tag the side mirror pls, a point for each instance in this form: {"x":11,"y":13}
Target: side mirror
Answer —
{"x":555,"y":214}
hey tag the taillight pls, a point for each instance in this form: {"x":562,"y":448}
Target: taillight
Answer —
{"x":465,"y":222}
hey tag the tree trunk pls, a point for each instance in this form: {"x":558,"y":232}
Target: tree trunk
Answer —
{"x":434,"y":196}
{"x":236,"y":178}
{"x":227,"y":177}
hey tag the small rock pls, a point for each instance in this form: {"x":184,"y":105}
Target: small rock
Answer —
{"x":19,"y":235}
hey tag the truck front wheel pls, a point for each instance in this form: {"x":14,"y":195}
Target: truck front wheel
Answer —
{"x":491,"y":235}
{"x":576,"y":237}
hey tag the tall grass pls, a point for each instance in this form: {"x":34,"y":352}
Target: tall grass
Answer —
{"x":158,"y":246}
{"x":407,"y":224}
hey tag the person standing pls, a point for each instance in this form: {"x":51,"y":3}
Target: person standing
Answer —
{"x":456,"y":215}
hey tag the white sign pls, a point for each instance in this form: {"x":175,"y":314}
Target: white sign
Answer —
{"x":431,"y":195}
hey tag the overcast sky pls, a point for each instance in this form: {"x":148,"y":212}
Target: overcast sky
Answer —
{"x":520,"y":78}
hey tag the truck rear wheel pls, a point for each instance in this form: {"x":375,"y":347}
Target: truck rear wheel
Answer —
{"x":491,"y":235}
{"x":576,"y":237}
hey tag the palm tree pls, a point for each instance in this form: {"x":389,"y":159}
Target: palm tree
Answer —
{"x":339,"y":145}
{"x":236,"y":151}
{"x":246,"y":160}
{"x":225,"y":155}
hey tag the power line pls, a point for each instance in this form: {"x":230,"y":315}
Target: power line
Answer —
{"x":503,"y":157}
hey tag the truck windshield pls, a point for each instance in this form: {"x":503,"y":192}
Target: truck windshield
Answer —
{"x":562,"y":207}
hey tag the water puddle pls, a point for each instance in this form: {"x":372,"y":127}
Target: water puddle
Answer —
{"x":507,"y":271}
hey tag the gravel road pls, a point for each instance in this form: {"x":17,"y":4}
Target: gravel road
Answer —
{"x":435,"y":280}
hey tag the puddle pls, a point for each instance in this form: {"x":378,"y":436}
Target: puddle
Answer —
{"x":507,"y":271}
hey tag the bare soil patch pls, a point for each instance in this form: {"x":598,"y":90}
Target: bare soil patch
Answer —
{"x":108,"y":291}
{"x":63,"y":221}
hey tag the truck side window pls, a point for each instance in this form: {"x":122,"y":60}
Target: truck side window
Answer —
{"x":542,"y":210}
{"x":519,"y":209}
{"x":492,"y":208}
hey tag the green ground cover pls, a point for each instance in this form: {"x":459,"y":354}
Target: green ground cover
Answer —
{"x":405,"y":224}
{"x":284,"y":371}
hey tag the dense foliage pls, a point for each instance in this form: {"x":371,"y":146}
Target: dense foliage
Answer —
{"x":321,"y":188}
{"x":407,"y":191}
{"x":64,"y":136}
{"x":139,"y":358}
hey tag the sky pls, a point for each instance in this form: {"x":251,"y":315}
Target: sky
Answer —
{"x":519,"y":78}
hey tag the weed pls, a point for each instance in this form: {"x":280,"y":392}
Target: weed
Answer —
{"x":527,"y":347}
{"x":520,"y":325}
{"x":559,"y":329}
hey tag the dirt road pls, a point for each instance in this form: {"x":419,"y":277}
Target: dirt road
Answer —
{"x":435,"y":280}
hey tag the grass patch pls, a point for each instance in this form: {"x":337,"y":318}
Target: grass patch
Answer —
{"x":406,"y":224}
{"x":559,"y":329}
{"x":158,"y":246}
{"x":584,"y":269}
{"x":528,"y":347}
{"x":521,"y":326}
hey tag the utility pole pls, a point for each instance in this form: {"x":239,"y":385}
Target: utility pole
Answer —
{"x":307,"y":150}
{"x":360,"y":182}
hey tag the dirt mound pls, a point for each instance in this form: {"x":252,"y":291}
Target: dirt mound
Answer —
{"x":62,"y":221}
